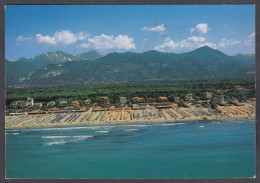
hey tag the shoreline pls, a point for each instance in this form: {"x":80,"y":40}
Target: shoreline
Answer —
{"x":134,"y":122}
{"x":147,"y":116}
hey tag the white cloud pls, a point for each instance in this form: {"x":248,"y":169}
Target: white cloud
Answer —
{"x":185,"y":44}
{"x":201,"y":28}
{"x":22,"y":38}
{"x":224,"y":42}
{"x":247,"y":42}
{"x":45,"y":39}
{"x":196,"y":39}
{"x":251,"y":36}
{"x":159,"y":28}
{"x":64,"y":37}
{"x":121,"y":42}
{"x":82,"y":45}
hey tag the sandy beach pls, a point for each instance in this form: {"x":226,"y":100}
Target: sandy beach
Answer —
{"x":131,"y":116}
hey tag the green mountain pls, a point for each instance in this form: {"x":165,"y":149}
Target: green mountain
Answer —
{"x":54,"y":58}
{"x":246,"y":59}
{"x":16,"y":71}
{"x":91,"y":55}
{"x":200,"y":64}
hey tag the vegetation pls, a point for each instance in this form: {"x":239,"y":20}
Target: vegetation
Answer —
{"x":147,"y":90}
{"x":60,"y":68}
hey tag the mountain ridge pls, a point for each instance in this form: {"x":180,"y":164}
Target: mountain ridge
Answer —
{"x":201,"y":63}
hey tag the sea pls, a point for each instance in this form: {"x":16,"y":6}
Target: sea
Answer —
{"x":208,"y":149}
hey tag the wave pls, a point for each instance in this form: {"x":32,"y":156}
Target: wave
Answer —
{"x":15,"y":133}
{"x":138,"y":125}
{"x":56,"y":143}
{"x":102,"y":131}
{"x":65,"y":139}
{"x":201,"y":126}
{"x":12,"y":130}
{"x":68,"y":128}
{"x":172,"y":124}
{"x":128,"y":130}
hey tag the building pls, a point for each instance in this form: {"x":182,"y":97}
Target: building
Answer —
{"x":63,"y":103}
{"x":167,"y":106}
{"x":37,"y":105}
{"x":137,"y":99}
{"x":87,"y":101}
{"x":140,"y":99}
{"x":162,"y":99}
{"x":19,"y":103}
{"x":240,"y":90}
{"x":176,"y":99}
{"x":113,"y":108}
{"x":37,"y":112}
{"x":98,"y":108}
{"x":30,"y":101}
{"x":151,"y":99}
{"x":188,"y":97}
{"x":105,"y":100}
{"x":186,"y":104}
{"x":75,"y":103}
{"x":69,"y":108}
{"x":236,"y":103}
{"x":207,"y":95}
{"x":122,"y":101}
{"x":51,"y":104}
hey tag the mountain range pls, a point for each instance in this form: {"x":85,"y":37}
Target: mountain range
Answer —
{"x":60,"y":68}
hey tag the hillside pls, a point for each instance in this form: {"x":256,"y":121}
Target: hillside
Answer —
{"x":91,"y":55}
{"x":200,"y":64}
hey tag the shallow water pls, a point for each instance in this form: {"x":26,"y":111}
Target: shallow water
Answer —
{"x":167,"y":150}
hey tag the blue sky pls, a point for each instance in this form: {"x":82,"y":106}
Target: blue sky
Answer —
{"x":35,"y":29}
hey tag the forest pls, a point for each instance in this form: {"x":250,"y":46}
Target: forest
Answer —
{"x":147,"y":90}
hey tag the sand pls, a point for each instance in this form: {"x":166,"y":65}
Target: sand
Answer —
{"x":131,"y":117}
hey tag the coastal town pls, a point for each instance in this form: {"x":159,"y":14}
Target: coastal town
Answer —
{"x":29,"y":114}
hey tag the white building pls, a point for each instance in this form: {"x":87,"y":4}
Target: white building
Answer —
{"x":30,"y":101}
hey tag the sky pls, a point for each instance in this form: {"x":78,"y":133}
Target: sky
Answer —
{"x":31,"y":30}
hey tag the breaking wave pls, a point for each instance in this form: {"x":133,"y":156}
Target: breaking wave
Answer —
{"x":128,"y":130}
{"x":56,"y":140}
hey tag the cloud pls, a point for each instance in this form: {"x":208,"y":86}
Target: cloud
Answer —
{"x":247,"y":42}
{"x":201,"y":28}
{"x":64,"y":37}
{"x":251,"y":36}
{"x":185,"y":44}
{"x":159,"y":28}
{"x":121,"y":42}
{"x":22,"y":38}
{"x":83,"y":45}
{"x":224,"y":42}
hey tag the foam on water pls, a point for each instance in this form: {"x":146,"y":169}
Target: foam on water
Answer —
{"x":68,"y":128}
{"x":56,"y":140}
{"x":172,"y":124}
{"x":15,"y":133}
{"x":64,"y":137}
{"x":138,"y":125}
{"x":102,"y":131}
{"x":56,"y":143}
{"x":201,"y":126}
{"x":127,"y":130}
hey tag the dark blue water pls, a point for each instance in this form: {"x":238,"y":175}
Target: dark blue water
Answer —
{"x":176,"y":150}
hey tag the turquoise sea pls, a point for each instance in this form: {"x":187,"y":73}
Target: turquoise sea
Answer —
{"x":218,"y":149}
